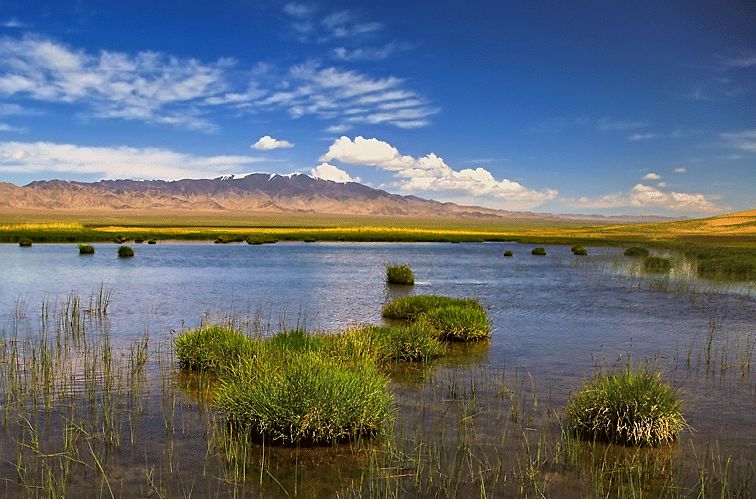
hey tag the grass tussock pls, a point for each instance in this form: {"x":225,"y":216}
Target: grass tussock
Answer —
{"x":212,"y":349}
{"x":412,"y":343}
{"x":307,"y":397}
{"x":579,"y":250}
{"x":636,"y":252}
{"x":633,"y":407}
{"x":409,"y":308}
{"x":455,"y":323}
{"x":25,"y":243}
{"x":399,"y":274}
{"x":508,"y":253}
{"x":152,"y":241}
{"x":657,"y":265}
{"x":86,"y":249}
{"x":226,"y":239}
{"x":257,"y":240}
{"x":731,"y":263}
{"x":451,"y":319}
{"x":538,"y":251}
{"x":125,"y":252}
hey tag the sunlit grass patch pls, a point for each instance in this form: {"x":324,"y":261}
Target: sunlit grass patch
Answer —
{"x":538,"y":251}
{"x":457,"y":323}
{"x":86,"y":249}
{"x":657,"y":265}
{"x":125,"y":252}
{"x":633,"y":407}
{"x":306,"y":397}
{"x":212,"y":349}
{"x":399,"y":274}
{"x":636,"y":251}
{"x":408,"y":308}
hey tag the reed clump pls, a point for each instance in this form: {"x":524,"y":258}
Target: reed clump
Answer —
{"x":579,"y":251}
{"x":125,"y":252}
{"x":25,"y":243}
{"x":399,"y":274}
{"x":636,"y":252}
{"x":538,"y":251}
{"x":212,"y":349}
{"x":86,"y":249}
{"x":633,"y":407}
{"x":657,"y":265}
{"x":508,"y":253}
{"x":307,"y":397}
{"x":409,"y":308}
{"x":412,"y":343}
{"x":452,"y":319}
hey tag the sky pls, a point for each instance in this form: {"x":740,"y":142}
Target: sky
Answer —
{"x":641,"y":107}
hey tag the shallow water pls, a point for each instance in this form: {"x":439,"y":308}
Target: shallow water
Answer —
{"x":555,"y":318}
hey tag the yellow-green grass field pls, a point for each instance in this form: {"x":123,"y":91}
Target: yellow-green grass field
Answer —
{"x":724,"y":242}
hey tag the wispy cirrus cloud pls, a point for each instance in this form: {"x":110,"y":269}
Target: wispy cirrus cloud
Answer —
{"x":743,"y":140}
{"x":116,"y":162}
{"x":159,"y":88}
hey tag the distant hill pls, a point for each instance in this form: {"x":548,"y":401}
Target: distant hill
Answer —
{"x":258,"y":192}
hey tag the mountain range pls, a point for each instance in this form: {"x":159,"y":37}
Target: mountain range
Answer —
{"x":257,"y":192}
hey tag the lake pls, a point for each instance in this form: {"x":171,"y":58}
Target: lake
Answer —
{"x":556,"y":319}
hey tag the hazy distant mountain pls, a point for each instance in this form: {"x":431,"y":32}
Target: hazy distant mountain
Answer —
{"x":258,"y":192}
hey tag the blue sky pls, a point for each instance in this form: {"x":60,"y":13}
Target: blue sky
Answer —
{"x":591,"y":107}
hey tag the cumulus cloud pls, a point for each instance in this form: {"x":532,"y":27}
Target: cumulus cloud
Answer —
{"x":662,"y":184}
{"x":645,"y":196}
{"x":325,"y":171}
{"x":268,"y":143}
{"x":651,"y":176}
{"x":431,"y":174}
{"x":116,"y":162}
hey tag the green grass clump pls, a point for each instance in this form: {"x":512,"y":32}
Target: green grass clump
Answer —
{"x":310,"y":240}
{"x":125,"y":252}
{"x":408,"y":308}
{"x":307,"y":397}
{"x":212,"y":349}
{"x":86,"y":249}
{"x":120,"y":239}
{"x":538,"y":251}
{"x":636,"y":252}
{"x":152,"y":241}
{"x":457,"y":323}
{"x":579,"y":251}
{"x":657,"y":265}
{"x":261,"y":240}
{"x":25,"y":243}
{"x":412,"y":343}
{"x":727,"y":263}
{"x":224,"y":239}
{"x":629,"y":408}
{"x":508,"y":253}
{"x":399,"y":274}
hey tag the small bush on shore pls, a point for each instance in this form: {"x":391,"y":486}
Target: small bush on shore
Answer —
{"x":125,"y":252}
{"x":399,"y":274}
{"x":636,"y":252}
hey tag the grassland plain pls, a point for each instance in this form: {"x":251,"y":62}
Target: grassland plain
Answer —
{"x":724,"y":245}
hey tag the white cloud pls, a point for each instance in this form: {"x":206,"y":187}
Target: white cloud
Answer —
{"x":637,"y":137}
{"x":662,"y":184}
{"x":268,"y":143}
{"x":366,"y":53}
{"x":745,"y":59}
{"x":147,"y":86}
{"x":13,"y":23}
{"x":116,"y":162}
{"x":607,"y":124}
{"x":651,"y":176}
{"x":5,"y":127}
{"x":431,"y":174}
{"x":325,"y":171}
{"x":744,"y":140}
{"x":298,"y":10}
{"x":645,"y":196}
{"x":159,"y":88}
{"x":681,"y":170}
